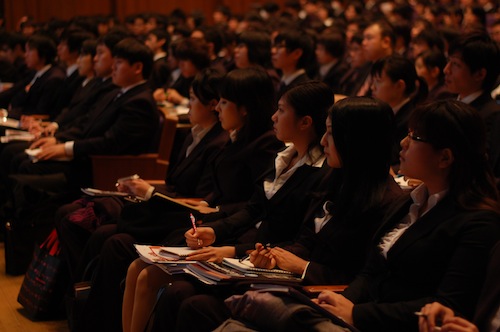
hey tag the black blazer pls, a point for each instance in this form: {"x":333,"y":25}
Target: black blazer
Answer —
{"x":236,"y":169}
{"x":442,"y":257}
{"x":334,"y":75}
{"x":121,"y":126}
{"x":297,"y":80}
{"x":353,"y":79}
{"x":338,"y":251}
{"x":281,"y":216}
{"x":70,"y":85}
{"x":191,"y":176}
{"x":489,"y":110}
{"x":73,"y":121}
{"x":41,"y":97}
{"x":489,"y":301}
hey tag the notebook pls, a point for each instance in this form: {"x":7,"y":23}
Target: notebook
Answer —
{"x":247,"y":266}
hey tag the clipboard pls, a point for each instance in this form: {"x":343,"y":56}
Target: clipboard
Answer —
{"x":176,"y":202}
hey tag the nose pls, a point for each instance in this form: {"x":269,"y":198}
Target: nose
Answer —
{"x":404,"y":142}
{"x":446,"y":69}
{"x":324,"y":141}
{"x":274,"y":116}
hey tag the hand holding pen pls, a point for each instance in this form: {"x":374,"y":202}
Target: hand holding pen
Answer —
{"x":262,"y":257}
{"x":199,"y":237}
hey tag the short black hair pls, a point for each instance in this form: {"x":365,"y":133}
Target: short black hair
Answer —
{"x":334,"y":43}
{"x":112,"y":38}
{"x":477,"y":51}
{"x":161,"y":34}
{"x":89,"y":47}
{"x":297,"y":39}
{"x":45,"y":47}
{"x":193,"y":49}
{"x":134,"y":51}
{"x":75,"y":39}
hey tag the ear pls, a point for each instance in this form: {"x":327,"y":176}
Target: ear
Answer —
{"x":297,"y":53}
{"x":305,"y":122}
{"x":401,"y":86}
{"x":479,"y":75}
{"x":243,"y":110}
{"x":213,"y":103}
{"x":386,"y":42}
{"x":137,"y":66}
{"x":435,"y":71}
{"x":446,"y":159}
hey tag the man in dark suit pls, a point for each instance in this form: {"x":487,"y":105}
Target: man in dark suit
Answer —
{"x":471,"y":72}
{"x":121,"y":124}
{"x":68,"y":51}
{"x":330,"y":49}
{"x":291,"y":53}
{"x":158,"y":41}
{"x":41,"y":89}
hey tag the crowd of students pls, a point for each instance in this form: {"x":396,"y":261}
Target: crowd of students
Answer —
{"x":302,"y":119}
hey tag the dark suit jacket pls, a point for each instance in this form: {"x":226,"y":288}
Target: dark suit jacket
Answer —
{"x":281,"y":216}
{"x":121,"y":126}
{"x":73,"y":121}
{"x":440,"y":92}
{"x":70,"y":85}
{"x":352,"y":81}
{"x":442,"y":257}
{"x":489,"y":301}
{"x":191,"y":176}
{"x":236,"y":169}
{"x":41,"y":97}
{"x":338,"y":251}
{"x":334,"y":75}
{"x":299,"y":79}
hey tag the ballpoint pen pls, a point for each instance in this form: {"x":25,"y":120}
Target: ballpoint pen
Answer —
{"x":193,"y":222}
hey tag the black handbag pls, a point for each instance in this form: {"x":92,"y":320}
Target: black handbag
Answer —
{"x":45,"y":281}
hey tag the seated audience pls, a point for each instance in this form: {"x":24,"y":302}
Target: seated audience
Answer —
{"x":245,"y":106}
{"x":451,"y":219}
{"x":275,"y":212}
{"x":41,"y":89}
{"x":332,"y":244}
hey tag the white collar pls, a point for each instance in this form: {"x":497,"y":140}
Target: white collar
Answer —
{"x":287,"y":79}
{"x":71,"y":69}
{"x":470,"y":98}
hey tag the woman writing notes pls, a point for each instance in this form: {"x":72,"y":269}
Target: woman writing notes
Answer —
{"x":332,"y":244}
{"x":273,"y":214}
{"x":435,"y":242}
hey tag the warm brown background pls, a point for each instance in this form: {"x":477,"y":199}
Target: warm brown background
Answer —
{"x":43,"y":10}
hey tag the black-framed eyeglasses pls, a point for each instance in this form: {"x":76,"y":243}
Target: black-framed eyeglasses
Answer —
{"x":414,"y":137}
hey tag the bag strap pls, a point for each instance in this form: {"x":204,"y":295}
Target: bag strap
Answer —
{"x":52,"y":243}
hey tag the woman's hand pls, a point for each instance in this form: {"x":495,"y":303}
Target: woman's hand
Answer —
{"x":288,"y":261}
{"x":212,"y":254}
{"x":204,"y":236}
{"x":336,"y":304}
{"x":261,"y":257}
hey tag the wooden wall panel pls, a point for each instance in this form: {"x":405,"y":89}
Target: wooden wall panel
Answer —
{"x":43,"y":10}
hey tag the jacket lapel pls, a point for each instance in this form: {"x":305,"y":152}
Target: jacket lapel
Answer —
{"x":423,"y":226}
